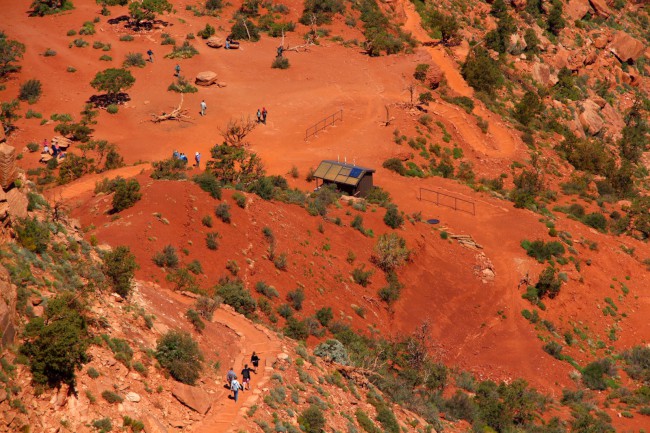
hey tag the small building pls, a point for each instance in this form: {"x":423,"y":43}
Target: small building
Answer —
{"x":348,"y":178}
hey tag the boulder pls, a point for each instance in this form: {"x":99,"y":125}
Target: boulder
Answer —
{"x":576,"y":9}
{"x":542,"y":74}
{"x":8,"y":296}
{"x":626,"y":48}
{"x":152,"y":424}
{"x":3,"y":136}
{"x":206,"y":78}
{"x":17,"y":202}
{"x":192,"y":397}
{"x":613,"y":119}
{"x":7,"y":165}
{"x":518,"y":4}
{"x":214,"y":42}
{"x":601,"y":41}
{"x":600,"y":8}
{"x":591,"y":57}
{"x":590,"y":118}
{"x":132,"y":396}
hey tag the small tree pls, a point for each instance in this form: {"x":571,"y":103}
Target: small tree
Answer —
{"x":146,"y":10}
{"x":113,"y":81}
{"x":120,"y":266}
{"x":333,"y":350}
{"x":47,"y":7}
{"x":390,"y":252}
{"x":481,"y":71}
{"x":127,"y":193}
{"x":10,"y":52}
{"x":393,"y":218}
{"x":8,"y":114}
{"x":179,"y":354}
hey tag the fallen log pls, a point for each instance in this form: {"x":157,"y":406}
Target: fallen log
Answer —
{"x":178,"y":113}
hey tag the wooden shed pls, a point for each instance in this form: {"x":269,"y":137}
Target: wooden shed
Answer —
{"x":348,"y":178}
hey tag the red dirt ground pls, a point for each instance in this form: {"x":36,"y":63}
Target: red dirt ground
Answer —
{"x":439,"y":283}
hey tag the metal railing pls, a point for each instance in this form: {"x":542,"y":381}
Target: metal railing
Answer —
{"x":322,"y":124}
{"x":442,"y":199}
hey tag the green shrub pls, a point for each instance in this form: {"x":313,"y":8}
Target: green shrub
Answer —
{"x":179,"y":354}
{"x":206,"y":306}
{"x":312,"y":420}
{"x":548,"y":283}
{"x":366,"y":423}
{"x":166,"y":258}
{"x":296,"y":298}
{"x":393,"y":218}
{"x":182,"y":85}
{"x":206,"y":32}
{"x":209,"y":183}
{"x":554,"y":349}
{"x":280,"y":62}
{"x":33,"y":235}
{"x":280,"y":261}
{"x":238,"y":31}
{"x":119,"y":267}
{"x":48,"y":7}
{"x":111,"y":397}
{"x":134,"y":59}
{"x":361,"y":276}
{"x":88,"y":28}
{"x":126,"y":38}
{"x":322,"y":10}
{"x":235,"y":295}
{"x":333,"y":350}
{"x":30,"y":91}
{"x":103,"y":425}
{"x":212,"y":240}
{"x":195,"y":319}
{"x":213,"y":5}
{"x":127,"y":193}
{"x":170,"y":169}
{"x":390,"y":252}
{"x":324,"y":315}
{"x":185,"y":51}
{"x":240,"y":199}
{"x":92,"y":373}
{"x":481,"y":72}
{"x":543,"y":251}
{"x":396,"y":165}
{"x":266,"y":290}
{"x":285,"y":311}
{"x":223,"y":212}
{"x":112,"y":109}
{"x":207,"y":221}
{"x":593,"y":375}
{"x":596,"y":220}
{"x":195,"y":267}
{"x":296,"y":329}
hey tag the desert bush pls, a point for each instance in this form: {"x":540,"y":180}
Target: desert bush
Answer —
{"x":206,"y":32}
{"x":296,"y":329}
{"x":111,"y":397}
{"x":285,"y":311}
{"x":166,"y":258}
{"x":596,"y":220}
{"x":333,"y":350}
{"x":446,"y":25}
{"x":126,"y":38}
{"x":321,"y":10}
{"x":543,"y":251}
{"x":134,"y":59}
{"x":206,"y":306}
{"x":223,"y":212}
{"x":127,"y":193}
{"x":92,"y":373}
{"x":185,"y":51}
{"x":280,"y":261}
{"x":207,"y":221}
{"x":396,"y":165}
{"x":548,"y":283}
{"x":528,"y":185}
{"x":554,"y":349}
{"x":49,"y":7}
{"x":638,"y":363}
{"x":212,"y":240}
{"x":324,"y":315}
{"x":366,"y":423}
{"x":119,"y":267}
{"x":209,"y":183}
{"x":182,"y":85}
{"x":593,"y":375}
{"x":33,"y":235}
{"x":391,"y":292}
{"x":296,"y":298}
{"x":361,"y":276}
{"x":235,"y":295}
{"x":195,"y":267}
{"x":460,"y":406}
{"x":280,"y":63}
{"x":481,"y":72}
{"x":179,"y":354}
{"x":195,"y":319}
{"x":213,"y":5}
{"x":390,"y":252}
{"x":393,"y":218}
{"x":103,"y":425}
{"x":170,"y":169}
{"x":312,"y":420}
{"x":30,"y":91}
{"x":87,"y":28}
{"x":240,"y":199}
{"x":266,"y":290}
{"x":56,"y":343}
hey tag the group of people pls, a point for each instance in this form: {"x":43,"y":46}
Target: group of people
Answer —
{"x":183,"y":157}
{"x":261,"y":115}
{"x":57,"y":152}
{"x":231,"y":377}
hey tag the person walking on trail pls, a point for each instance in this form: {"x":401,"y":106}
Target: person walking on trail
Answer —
{"x":197,"y":158}
{"x":230,"y":376}
{"x":264,"y":115}
{"x":204,"y":107}
{"x":235,"y":386}
{"x":150,"y":54}
{"x":178,"y":70}
{"x":246,"y":378}
{"x":255,"y":360}
{"x":259,"y":115}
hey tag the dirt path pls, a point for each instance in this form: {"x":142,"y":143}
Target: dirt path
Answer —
{"x":225,"y":413}
{"x":503,"y":143}
{"x":87,"y":182}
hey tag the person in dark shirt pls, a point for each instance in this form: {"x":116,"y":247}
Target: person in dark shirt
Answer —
{"x":255,"y":360}
{"x":246,"y":378}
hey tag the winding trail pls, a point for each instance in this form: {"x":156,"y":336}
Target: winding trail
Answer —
{"x":503,"y":143}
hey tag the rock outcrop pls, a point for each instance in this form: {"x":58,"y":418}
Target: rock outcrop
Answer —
{"x":214,"y":42}
{"x":590,"y":118}
{"x":600,"y":8}
{"x":434,"y":76}
{"x":626,"y":48}
{"x":542,"y":74}
{"x":576,"y":9}
{"x":7,"y":165}
{"x":17,"y":202}
{"x":192,"y":397}
{"x":206,"y":78}
{"x":7,"y":309}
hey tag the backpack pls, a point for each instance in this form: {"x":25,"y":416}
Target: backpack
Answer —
{"x":234,"y":385}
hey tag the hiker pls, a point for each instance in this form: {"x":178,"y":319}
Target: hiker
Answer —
{"x":178,"y":70}
{"x":230,"y":376}
{"x":55,"y":149}
{"x":176,"y":155}
{"x":227,"y":43}
{"x":197,"y":158}
{"x":246,"y":378}
{"x":46,"y":148}
{"x":150,"y":54}
{"x":264,"y":115}
{"x":184,"y":158}
{"x":259,"y":115}
{"x":235,"y":387}
{"x":204,"y":107}
{"x":255,"y":360}
{"x":280,"y":50}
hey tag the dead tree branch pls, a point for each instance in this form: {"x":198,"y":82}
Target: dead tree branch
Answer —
{"x":177,"y":113}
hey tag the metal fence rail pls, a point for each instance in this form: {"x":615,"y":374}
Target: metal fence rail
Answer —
{"x":442,"y":199}
{"x":322,"y":124}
